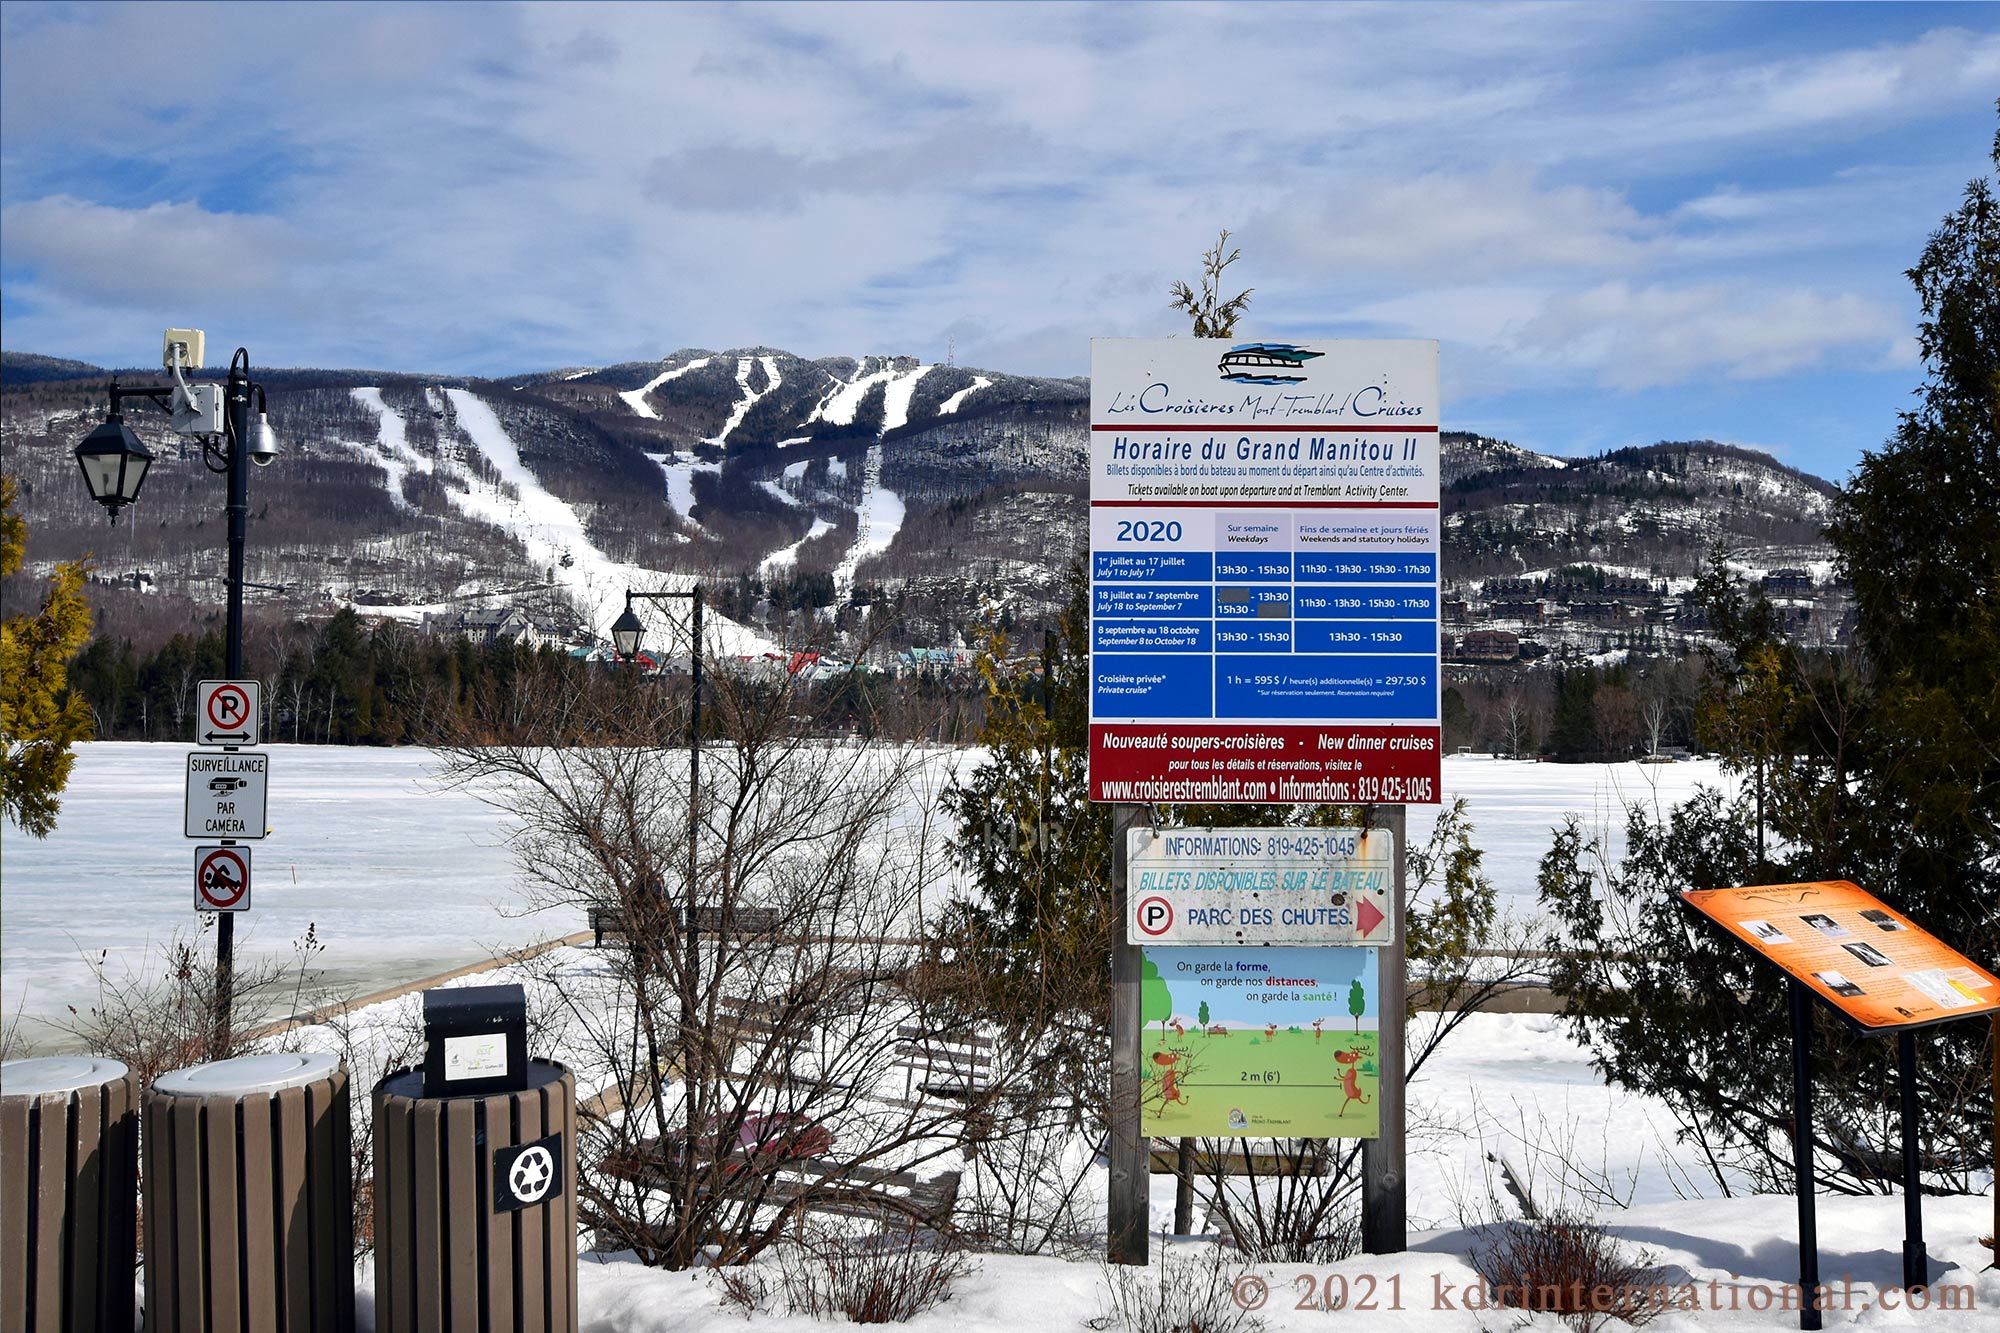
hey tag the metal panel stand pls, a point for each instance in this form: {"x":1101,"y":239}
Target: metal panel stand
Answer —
{"x":1131,"y":1174}
{"x":69,"y":1194}
{"x":1385,"y":1227}
{"x":456,"y":1246}
{"x":249,"y":1198}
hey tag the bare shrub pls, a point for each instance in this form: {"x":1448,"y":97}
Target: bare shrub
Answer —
{"x":1571,"y":1266}
{"x":744,"y":1029}
{"x":744,"y":1289}
{"x":156,"y":1019}
{"x":1185,"y":1293}
{"x":885,"y":1279}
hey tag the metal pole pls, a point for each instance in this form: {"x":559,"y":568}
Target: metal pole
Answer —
{"x":1385,"y":1225}
{"x":1802,"y":1151}
{"x":1916,"y":1262}
{"x":236,"y":402}
{"x":1996,"y":1141}
{"x":694,"y":807}
{"x":1131,"y":1176}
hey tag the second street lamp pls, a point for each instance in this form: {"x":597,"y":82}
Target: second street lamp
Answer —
{"x":626,"y":634}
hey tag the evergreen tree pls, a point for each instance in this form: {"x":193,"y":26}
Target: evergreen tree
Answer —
{"x":1880,"y":764}
{"x":41,"y":719}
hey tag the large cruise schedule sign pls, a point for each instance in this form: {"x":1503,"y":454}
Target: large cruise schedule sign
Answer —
{"x":1264,"y":571}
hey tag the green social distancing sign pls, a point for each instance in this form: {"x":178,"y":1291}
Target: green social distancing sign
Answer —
{"x":1260,"y":1043}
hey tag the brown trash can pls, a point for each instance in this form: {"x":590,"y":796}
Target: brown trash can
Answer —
{"x":475,"y":1207}
{"x":249,"y":1197}
{"x":69,"y":1194}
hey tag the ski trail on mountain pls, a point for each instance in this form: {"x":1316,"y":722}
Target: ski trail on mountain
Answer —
{"x":680,"y":470}
{"x":549,"y":529}
{"x":957,"y":400}
{"x":787,"y":556}
{"x":896,"y":399}
{"x":878,"y":518}
{"x":879,"y":514}
{"x":395,"y":457}
{"x":750,"y":397}
{"x":636,"y":398}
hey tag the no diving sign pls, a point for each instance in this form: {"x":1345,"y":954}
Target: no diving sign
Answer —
{"x":222,"y":879}
{"x":228,"y":712}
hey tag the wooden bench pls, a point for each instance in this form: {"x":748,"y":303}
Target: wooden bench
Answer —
{"x":1259,"y":1155}
{"x":740,"y":922}
{"x":958,"y":1066}
{"x":861,"y":1191}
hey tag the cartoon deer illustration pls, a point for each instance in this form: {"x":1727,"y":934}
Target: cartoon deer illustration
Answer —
{"x":1351,"y":1077}
{"x":1316,"y":1023}
{"x":1170,"y":1092}
{"x":1175,"y":1024}
{"x":1270,"y":1032}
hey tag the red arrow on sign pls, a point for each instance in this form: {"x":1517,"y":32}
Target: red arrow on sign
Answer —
{"x":1369,"y":916}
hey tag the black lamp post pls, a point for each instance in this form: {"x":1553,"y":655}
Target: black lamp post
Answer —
{"x":115,"y":463}
{"x":626,"y":634}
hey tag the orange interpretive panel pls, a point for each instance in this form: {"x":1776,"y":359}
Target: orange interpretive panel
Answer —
{"x":1863,"y":957}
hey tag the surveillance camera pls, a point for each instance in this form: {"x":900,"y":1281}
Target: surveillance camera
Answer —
{"x":263,"y":441}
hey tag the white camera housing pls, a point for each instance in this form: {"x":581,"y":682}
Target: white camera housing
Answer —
{"x":190,"y":343}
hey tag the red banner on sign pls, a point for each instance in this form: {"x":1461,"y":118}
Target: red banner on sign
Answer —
{"x":1241,"y":763}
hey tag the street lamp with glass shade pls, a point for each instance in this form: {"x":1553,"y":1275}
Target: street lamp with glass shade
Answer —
{"x":114,"y":462}
{"x":626,"y":631}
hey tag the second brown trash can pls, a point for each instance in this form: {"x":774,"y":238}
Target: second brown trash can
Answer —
{"x":249,"y":1198}
{"x":69,"y":1194}
{"x":475,"y":1207}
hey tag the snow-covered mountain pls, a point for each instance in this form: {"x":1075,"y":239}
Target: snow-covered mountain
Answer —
{"x":804,"y":493}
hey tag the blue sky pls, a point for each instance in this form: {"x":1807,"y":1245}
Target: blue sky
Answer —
{"x":1625,"y":222}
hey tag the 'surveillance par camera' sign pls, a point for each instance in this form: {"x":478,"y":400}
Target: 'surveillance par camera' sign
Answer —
{"x":1264,"y":571}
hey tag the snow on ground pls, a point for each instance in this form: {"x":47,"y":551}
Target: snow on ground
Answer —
{"x":797,"y":471}
{"x":786,"y":556}
{"x":399,"y":876}
{"x":953,"y":403}
{"x":579,"y":374}
{"x":636,"y":398}
{"x":403,"y":877}
{"x":779,"y":493}
{"x":750,"y":396}
{"x":1510,"y":1086}
{"x":836,"y":468}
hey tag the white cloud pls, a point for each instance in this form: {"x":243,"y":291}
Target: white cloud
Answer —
{"x":161,"y":253}
{"x":1638,"y":337}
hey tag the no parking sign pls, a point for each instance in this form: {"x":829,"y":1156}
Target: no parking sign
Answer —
{"x":228,"y":712}
{"x":222,"y":879}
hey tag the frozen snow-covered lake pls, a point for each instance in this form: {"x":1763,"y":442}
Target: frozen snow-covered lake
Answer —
{"x":403,"y":878}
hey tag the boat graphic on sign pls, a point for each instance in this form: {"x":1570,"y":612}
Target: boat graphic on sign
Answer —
{"x":1265,"y":363}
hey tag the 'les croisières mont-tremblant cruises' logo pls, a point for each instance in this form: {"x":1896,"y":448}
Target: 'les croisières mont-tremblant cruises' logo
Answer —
{"x":1265,"y":363}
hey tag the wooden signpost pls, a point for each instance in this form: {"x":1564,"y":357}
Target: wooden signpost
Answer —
{"x":1882,"y":974}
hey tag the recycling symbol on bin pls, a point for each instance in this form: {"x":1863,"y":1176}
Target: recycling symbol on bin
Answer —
{"x":527,"y":1174}
{"x":534,"y":1171}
